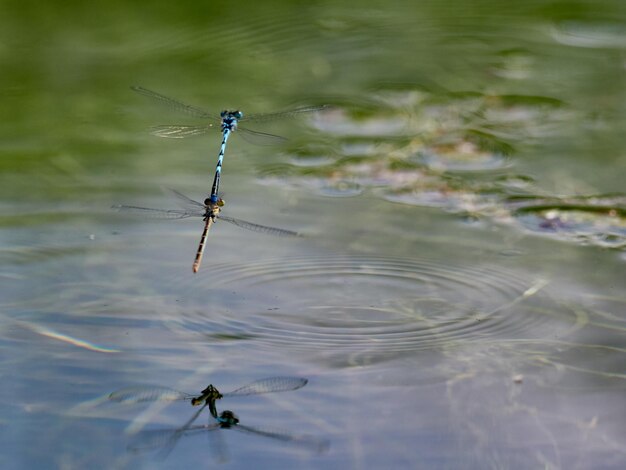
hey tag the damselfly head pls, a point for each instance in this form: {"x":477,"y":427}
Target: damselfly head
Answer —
{"x":219,"y":202}
{"x":211,"y":392}
{"x":227,"y":418}
{"x":231,"y":114}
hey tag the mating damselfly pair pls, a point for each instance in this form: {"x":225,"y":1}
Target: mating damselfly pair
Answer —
{"x":209,"y":211}
{"x":227,"y":123}
{"x":166,"y":439}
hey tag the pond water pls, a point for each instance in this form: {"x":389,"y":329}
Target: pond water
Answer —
{"x":456,"y":299}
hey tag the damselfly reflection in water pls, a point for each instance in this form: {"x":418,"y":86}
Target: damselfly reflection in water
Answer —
{"x":166,"y":439}
{"x":209,"y":212}
{"x":227,"y":122}
{"x":209,"y":395}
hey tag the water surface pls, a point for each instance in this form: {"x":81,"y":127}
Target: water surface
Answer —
{"x":456,"y":299}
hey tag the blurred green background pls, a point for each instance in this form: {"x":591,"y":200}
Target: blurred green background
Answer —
{"x":457,"y":300}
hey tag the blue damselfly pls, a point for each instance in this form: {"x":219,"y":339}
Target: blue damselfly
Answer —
{"x":209,"y":212}
{"x":227,"y":122}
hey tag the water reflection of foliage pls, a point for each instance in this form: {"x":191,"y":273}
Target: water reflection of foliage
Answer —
{"x":453,"y":151}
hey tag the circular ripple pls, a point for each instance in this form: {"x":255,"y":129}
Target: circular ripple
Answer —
{"x":376,"y":305}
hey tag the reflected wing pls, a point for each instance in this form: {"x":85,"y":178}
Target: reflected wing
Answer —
{"x":270,"y":384}
{"x":156,"y":438}
{"x":143,"y":394}
{"x":311,"y":442}
{"x":151,"y":439}
{"x":218,"y":445}
{"x":279,"y":232}
{"x":172,"y":103}
{"x":158,"y":213}
{"x":260,"y":138}
{"x":284,"y":114}
{"x":176,"y":435}
{"x":179,"y":131}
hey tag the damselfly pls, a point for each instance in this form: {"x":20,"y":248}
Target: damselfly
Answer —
{"x":209,"y":211}
{"x":209,"y":395}
{"x":227,"y":122}
{"x":165,"y":439}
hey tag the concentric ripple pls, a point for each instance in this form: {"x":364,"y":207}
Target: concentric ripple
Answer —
{"x":377,"y":305}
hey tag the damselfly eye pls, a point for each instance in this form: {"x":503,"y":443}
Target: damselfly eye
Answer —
{"x":207,"y":201}
{"x":220,"y":202}
{"x":223,"y":113}
{"x":238,"y":114}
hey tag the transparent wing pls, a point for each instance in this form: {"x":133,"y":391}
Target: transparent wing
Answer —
{"x":279,"y":232}
{"x":218,"y":445}
{"x":141,"y":394}
{"x":284,"y":114}
{"x":304,"y":440}
{"x":187,"y":202}
{"x":152,"y":439}
{"x":148,"y":212}
{"x":174,"y":104}
{"x":259,"y":138}
{"x":180,"y":432}
{"x":180,"y":131}
{"x":270,"y":384}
